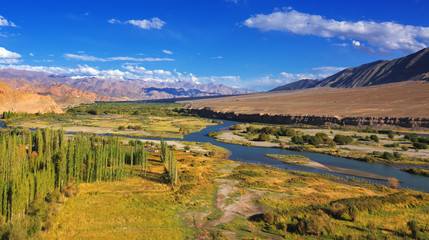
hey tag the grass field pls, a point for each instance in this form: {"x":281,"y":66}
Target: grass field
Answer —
{"x":140,"y":207}
{"x":133,"y":209}
{"x":221,"y":199}
{"x":151,"y":126}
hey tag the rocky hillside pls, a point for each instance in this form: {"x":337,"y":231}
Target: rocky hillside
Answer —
{"x":301,"y":84}
{"x":414,"y":67}
{"x":23,"y":101}
{"x":65,"y":95}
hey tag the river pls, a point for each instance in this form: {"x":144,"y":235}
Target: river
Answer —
{"x":257,"y":155}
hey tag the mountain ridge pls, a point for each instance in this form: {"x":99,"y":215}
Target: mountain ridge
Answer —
{"x":112,"y":89}
{"x":413,"y":67}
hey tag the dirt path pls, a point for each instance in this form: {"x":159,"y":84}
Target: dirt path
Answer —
{"x":242,"y":205}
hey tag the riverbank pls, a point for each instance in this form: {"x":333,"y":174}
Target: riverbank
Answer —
{"x":361,"y":149}
{"x":316,"y":165}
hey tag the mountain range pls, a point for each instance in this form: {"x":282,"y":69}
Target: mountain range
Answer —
{"x":414,"y":67}
{"x":71,"y":91}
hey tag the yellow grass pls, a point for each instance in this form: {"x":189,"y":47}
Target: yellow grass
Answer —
{"x":133,"y":209}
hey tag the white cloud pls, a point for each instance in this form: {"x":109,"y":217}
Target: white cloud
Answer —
{"x":167,"y":52}
{"x":341,"y":44}
{"x":9,"y":57}
{"x":329,"y":70}
{"x":268,"y":82}
{"x":6,"y":23}
{"x":31,"y":54}
{"x":382,"y":35}
{"x":218,"y":57}
{"x":44,"y":60}
{"x":98,"y":59}
{"x":153,"y":23}
{"x":113,"y":21}
{"x":83,"y":57}
{"x":129,"y":71}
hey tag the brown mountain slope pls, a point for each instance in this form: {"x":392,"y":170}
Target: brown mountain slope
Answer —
{"x":414,"y":67}
{"x":407,"y":99}
{"x":301,"y":84}
{"x":21,"y":101}
{"x":61,"y":93}
{"x":66,"y":96}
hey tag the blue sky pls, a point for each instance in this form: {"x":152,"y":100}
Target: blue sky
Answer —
{"x":250,"y":44}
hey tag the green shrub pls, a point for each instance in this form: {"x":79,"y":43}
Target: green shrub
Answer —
{"x":397,"y":155}
{"x":315,"y":141}
{"x":420,"y":145}
{"x":264,"y":137}
{"x":374,"y":138}
{"x":251,"y":129}
{"x":236,"y":127}
{"x":342,"y":139}
{"x":213,"y":134}
{"x":387,"y":156}
{"x":297,"y":140}
{"x":284,"y":131}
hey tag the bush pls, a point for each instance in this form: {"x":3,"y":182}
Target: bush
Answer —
{"x":420,"y":145}
{"x":137,"y":127}
{"x":321,"y":135}
{"x":187,"y":148}
{"x":412,"y":225}
{"x":342,"y":139}
{"x":264,"y":137}
{"x":236,"y":127}
{"x":297,"y":140}
{"x":213,"y":134}
{"x":394,"y":183}
{"x":391,"y":135}
{"x":404,"y":148}
{"x":412,"y":137}
{"x":374,"y":138}
{"x":284,"y":131}
{"x":314,"y":224}
{"x":397,"y":155}
{"x":121,"y":128}
{"x":251,"y":129}
{"x":387,"y":156}
{"x":315,"y":141}
{"x":93,"y":112}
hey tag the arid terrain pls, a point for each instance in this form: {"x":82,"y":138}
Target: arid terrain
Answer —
{"x":407,"y":99}
{"x":22,"y":101}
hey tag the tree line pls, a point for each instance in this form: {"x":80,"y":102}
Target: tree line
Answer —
{"x":34,"y":164}
{"x":170,"y":162}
